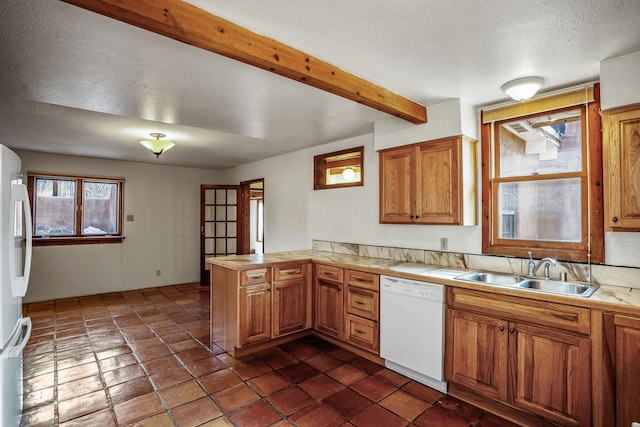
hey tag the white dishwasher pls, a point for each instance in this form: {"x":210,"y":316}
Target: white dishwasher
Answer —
{"x":412,"y":329}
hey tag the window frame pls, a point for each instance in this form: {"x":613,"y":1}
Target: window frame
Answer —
{"x":353,"y":158}
{"x":77,"y":238}
{"x":591,"y":246}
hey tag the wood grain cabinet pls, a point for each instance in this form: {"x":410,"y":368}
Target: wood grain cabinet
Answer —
{"x":347,"y":306}
{"x":329,"y":300}
{"x":291,"y":299}
{"x":432,"y":182}
{"x":522,"y":356}
{"x":257,"y":307}
{"x":362,"y":310}
{"x":627,"y":374}
{"x":621,"y":161}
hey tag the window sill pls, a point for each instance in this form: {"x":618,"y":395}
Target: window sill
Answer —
{"x":59,"y":241}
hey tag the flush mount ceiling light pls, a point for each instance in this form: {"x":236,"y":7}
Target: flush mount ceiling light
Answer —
{"x":348,"y":174}
{"x":524,"y":88}
{"x":158,"y":146}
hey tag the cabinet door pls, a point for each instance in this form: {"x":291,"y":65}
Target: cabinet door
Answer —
{"x":627,"y":372}
{"x":551,"y":371}
{"x":289,"y":306}
{"x":621,"y":155}
{"x":476,"y":352}
{"x":255,"y":313}
{"x":329,"y":308}
{"x":397,"y":185}
{"x":438,"y":182}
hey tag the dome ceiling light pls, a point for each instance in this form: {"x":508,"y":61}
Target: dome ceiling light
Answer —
{"x":524,"y":88}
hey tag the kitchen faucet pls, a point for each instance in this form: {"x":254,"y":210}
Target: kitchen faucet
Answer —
{"x":533,"y":267}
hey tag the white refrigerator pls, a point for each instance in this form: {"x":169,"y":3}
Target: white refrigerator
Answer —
{"x":15,"y":256}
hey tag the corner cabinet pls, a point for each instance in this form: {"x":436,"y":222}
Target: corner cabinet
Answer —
{"x":523,"y":359}
{"x":433,"y":182}
{"x":621,"y":160}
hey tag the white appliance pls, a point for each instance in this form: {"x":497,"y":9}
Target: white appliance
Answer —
{"x":15,"y":256}
{"x":412,"y":329}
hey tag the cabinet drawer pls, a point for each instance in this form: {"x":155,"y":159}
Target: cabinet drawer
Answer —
{"x":567,"y":317}
{"x":362,"y":332}
{"x":363,"y":280}
{"x":289,"y":272}
{"x":257,"y":275}
{"x":329,"y":272}
{"x":363,"y":302}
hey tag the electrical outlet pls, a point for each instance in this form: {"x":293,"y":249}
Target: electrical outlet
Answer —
{"x":444,"y":243}
{"x":158,"y":273}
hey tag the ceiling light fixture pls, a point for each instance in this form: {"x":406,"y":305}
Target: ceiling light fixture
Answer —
{"x":348,"y":174}
{"x":158,"y":146}
{"x":524,"y":88}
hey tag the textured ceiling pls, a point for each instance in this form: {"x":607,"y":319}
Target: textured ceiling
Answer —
{"x":73,"y":82}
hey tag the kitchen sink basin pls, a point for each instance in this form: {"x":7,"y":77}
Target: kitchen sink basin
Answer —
{"x":491,"y":278}
{"x":556,"y":287}
{"x":534,"y":284}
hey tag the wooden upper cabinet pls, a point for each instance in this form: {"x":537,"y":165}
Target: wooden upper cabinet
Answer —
{"x":621,"y":159}
{"x":397,"y":185}
{"x":432,"y":182}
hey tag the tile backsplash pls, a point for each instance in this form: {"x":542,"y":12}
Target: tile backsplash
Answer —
{"x":598,"y":273}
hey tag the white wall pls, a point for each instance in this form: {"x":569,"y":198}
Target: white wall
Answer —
{"x":620,"y":81}
{"x":295,"y":214}
{"x":164,"y":235}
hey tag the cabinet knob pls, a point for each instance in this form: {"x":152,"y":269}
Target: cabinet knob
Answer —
{"x":417,"y":216}
{"x":501,"y":328}
{"x":615,"y":219}
{"x":278,"y":288}
{"x":512,"y":330}
{"x":411,"y":216}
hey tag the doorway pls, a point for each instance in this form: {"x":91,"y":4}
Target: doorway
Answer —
{"x":231,"y":221}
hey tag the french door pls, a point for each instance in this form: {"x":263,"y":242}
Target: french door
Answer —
{"x":221,"y":224}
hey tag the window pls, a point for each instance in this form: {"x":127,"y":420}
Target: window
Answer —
{"x":542,"y":173}
{"x":75,"y":210}
{"x":339,"y":169}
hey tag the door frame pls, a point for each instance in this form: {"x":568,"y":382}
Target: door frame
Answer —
{"x":245,"y":244}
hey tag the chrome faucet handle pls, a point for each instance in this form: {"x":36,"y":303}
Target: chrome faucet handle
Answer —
{"x":532,"y":264}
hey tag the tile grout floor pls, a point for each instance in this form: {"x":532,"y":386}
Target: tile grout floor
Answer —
{"x":143,"y":358}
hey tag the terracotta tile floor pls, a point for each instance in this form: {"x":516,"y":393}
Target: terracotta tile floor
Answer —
{"x":142,"y":358}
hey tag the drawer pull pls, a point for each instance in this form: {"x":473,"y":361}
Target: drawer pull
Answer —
{"x":256,"y":276}
{"x":290,"y":272}
{"x":359,"y":303}
{"x":360,"y":279}
{"x":358,"y":331}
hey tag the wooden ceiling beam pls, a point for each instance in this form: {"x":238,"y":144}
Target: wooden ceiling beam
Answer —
{"x":186,"y":23}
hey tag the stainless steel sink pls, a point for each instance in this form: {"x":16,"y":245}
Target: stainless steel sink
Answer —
{"x":556,"y":287}
{"x":530,"y":283}
{"x":491,"y":278}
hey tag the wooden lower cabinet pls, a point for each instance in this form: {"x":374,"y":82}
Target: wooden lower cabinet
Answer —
{"x":478,"y":352}
{"x":290,"y":306}
{"x":551,"y":373}
{"x":528,"y":368}
{"x":255,"y":313}
{"x":627,"y":372}
{"x":329,"y":311}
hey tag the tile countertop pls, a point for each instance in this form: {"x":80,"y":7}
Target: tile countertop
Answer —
{"x":608,"y":298}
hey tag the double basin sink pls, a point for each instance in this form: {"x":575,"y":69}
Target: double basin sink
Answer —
{"x":535,"y":284}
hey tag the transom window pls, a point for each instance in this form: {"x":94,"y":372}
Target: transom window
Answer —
{"x":543,"y":175}
{"x":76,"y":210}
